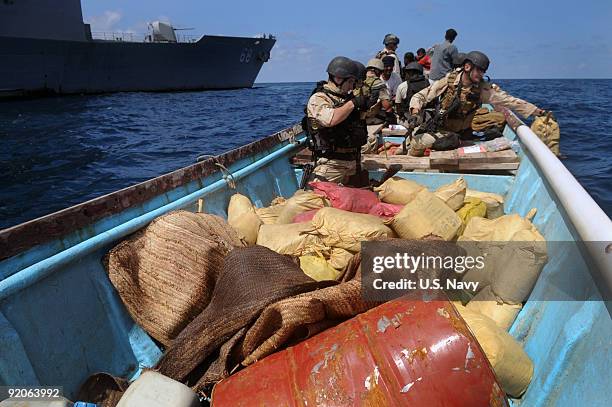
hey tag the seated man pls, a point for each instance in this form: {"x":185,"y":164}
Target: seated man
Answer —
{"x":461,"y":93}
{"x":335,"y":130}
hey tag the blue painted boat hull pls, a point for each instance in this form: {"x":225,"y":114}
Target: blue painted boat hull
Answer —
{"x":61,"y":320}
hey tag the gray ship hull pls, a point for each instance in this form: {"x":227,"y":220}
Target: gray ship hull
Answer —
{"x":44,"y":66}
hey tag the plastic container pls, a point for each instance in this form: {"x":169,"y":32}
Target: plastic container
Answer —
{"x":153,"y":389}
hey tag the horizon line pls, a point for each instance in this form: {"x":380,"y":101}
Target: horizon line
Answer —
{"x":499,"y":79}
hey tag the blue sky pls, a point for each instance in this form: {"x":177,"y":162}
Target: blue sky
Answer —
{"x":524,"y":39}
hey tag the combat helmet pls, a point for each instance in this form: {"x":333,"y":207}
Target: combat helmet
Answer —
{"x":459,"y":59}
{"x":376,"y":64}
{"x":342,"y":67}
{"x":391,"y":39}
{"x":361,"y":70}
{"x":414,"y":66}
{"x":479,"y":59}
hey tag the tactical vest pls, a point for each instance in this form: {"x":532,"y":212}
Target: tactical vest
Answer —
{"x":414,"y":86}
{"x":350,"y":134}
{"x":469,"y":101}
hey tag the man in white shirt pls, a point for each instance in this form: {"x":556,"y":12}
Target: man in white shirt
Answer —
{"x":389,"y":77}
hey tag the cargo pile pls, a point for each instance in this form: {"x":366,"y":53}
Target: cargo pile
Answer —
{"x":222,"y":294}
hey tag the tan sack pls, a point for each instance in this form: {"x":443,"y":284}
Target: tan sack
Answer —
{"x":339,"y":258}
{"x":512,"y":268}
{"x":398,"y":191}
{"x":516,"y":270}
{"x":490,"y":305}
{"x":317,"y":268}
{"x":485,"y":119}
{"x":501,"y":229}
{"x":166,"y":272}
{"x":269,"y":214}
{"x":453,"y":194}
{"x":290,"y":239}
{"x":547,"y":129}
{"x":346,"y":230}
{"x":472,"y":207}
{"x":300,"y":202}
{"x":425,"y":215}
{"x":512,"y":366}
{"x":242,"y":217}
{"x":494,"y":202}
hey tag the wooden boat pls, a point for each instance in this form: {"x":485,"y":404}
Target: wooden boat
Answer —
{"x":61,"y":319}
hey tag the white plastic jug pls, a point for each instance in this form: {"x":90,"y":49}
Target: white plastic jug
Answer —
{"x":153,"y":389}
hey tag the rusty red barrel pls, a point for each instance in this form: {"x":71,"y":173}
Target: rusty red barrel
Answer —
{"x":402,"y":353}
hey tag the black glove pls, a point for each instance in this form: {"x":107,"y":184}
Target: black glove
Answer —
{"x":360,"y":102}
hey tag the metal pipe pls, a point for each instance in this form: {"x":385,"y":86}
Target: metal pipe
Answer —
{"x":589,"y":220}
{"x":43,"y":268}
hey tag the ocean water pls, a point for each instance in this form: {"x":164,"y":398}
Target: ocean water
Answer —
{"x":57,"y":152}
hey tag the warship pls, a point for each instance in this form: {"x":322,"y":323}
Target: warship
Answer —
{"x":47,"y":49}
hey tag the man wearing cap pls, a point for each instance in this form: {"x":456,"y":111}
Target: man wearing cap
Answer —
{"x":389,"y":77}
{"x":414,"y":83}
{"x":463,"y":91}
{"x":442,"y":58}
{"x":335,"y":128}
{"x":391,"y":41}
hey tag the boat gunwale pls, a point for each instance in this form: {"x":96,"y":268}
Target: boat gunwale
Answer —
{"x":27,"y":235}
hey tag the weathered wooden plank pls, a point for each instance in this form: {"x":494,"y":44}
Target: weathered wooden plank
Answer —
{"x":444,"y":158}
{"x":468,"y":166}
{"x":372,"y":162}
{"x":505,"y":156}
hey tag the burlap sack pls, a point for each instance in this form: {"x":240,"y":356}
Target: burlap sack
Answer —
{"x":490,"y":305}
{"x":292,"y":239}
{"x":453,"y":194}
{"x":300,"y":202}
{"x":346,"y":230}
{"x":511,"y":364}
{"x":242,"y":217}
{"x":547,"y":129}
{"x":102,"y":389}
{"x":485,"y":119}
{"x":425,"y":215}
{"x":165,"y":273}
{"x":494,"y":202}
{"x":397,"y":190}
{"x":250,"y":279}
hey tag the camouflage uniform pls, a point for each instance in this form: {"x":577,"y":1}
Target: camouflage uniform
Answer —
{"x":320,"y":109}
{"x":376,"y":91}
{"x":471,"y":99}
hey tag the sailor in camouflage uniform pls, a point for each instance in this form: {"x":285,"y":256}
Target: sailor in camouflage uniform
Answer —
{"x":335,"y":127}
{"x":466,"y":85}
